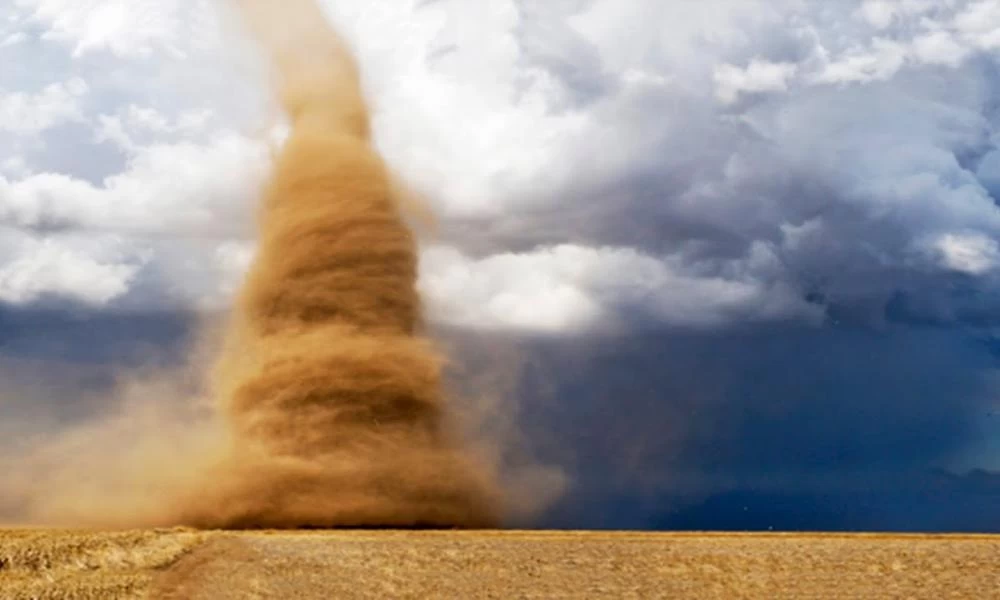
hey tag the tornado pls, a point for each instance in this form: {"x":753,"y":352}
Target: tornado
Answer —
{"x":330,"y":392}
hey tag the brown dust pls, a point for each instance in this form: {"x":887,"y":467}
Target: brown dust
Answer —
{"x":332,"y":397}
{"x":326,"y":406}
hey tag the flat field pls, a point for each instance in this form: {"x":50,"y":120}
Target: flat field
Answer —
{"x":344,"y":564}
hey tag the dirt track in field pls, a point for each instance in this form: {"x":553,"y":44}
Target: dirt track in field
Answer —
{"x":494,"y":564}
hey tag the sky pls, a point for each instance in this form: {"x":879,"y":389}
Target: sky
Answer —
{"x":724,"y":256}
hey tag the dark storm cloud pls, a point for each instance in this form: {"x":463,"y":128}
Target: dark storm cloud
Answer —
{"x":81,"y":335}
{"x":923,"y":501}
{"x":809,"y":428}
{"x":651,"y":426}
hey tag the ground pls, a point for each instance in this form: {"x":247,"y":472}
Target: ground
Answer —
{"x":186,"y":564}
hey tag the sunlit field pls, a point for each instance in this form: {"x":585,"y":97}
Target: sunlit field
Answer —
{"x":493,"y":564}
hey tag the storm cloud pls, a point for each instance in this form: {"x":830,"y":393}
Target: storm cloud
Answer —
{"x":737,"y":248}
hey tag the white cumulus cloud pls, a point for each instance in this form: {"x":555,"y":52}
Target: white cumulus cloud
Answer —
{"x":26,"y":113}
{"x":92,"y":273}
{"x":693,"y":164}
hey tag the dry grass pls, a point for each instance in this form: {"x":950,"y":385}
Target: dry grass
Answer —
{"x":54,"y":564}
{"x":494,"y":564}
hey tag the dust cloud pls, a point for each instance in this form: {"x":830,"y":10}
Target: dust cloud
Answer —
{"x":332,"y":398}
{"x":325,"y":406}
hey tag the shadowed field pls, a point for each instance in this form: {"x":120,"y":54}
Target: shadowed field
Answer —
{"x":493,"y":564}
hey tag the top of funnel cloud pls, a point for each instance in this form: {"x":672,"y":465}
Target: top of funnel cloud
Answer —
{"x":316,"y":75}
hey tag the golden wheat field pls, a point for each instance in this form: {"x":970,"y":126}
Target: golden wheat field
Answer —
{"x":179,"y":563}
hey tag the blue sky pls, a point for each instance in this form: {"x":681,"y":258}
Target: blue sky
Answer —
{"x":726,"y":247}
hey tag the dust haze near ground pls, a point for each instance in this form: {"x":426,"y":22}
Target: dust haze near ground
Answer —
{"x":329,"y":409}
{"x":119,"y":467}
